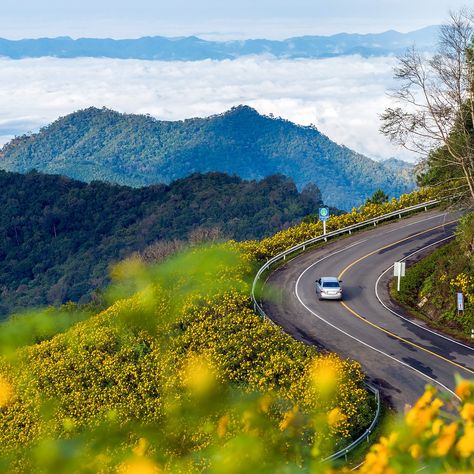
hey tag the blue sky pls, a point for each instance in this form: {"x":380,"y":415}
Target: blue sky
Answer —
{"x":215,"y":18}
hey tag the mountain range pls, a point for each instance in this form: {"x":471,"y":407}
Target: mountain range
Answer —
{"x":138,"y":150}
{"x":193,"y":48}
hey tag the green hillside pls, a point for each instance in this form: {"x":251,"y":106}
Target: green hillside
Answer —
{"x":430,"y":286}
{"x":137,"y":150}
{"x":59,"y":236}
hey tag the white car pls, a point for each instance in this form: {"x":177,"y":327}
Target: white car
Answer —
{"x":329,"y":288}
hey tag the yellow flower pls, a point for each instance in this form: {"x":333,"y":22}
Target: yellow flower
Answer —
{"x":198,"y":376}
{"x":139,"y":466}
{"x":415,"y":451}
{"x":464,"y":389}
{"x":465,"y":446}
{"x":335,"y":416}
{"x":436,"y":427}
{"x":264,"y":403}
{"x":446,"y":439}
{"x":141,"y":447}
{"x":222,"y":426}
{"x":6,"y":392}
{"x":289,"y":418}
{"x":467,"y":412}
{"x":325,"y":375}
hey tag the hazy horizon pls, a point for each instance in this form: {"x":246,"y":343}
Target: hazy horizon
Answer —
{"x":213,"y":36}
{"x":273,"y":19}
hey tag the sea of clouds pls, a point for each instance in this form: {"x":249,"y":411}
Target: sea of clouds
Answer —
{"x":342,"y":96}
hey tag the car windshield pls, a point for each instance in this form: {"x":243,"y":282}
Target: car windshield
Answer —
{"x":330,"y":284}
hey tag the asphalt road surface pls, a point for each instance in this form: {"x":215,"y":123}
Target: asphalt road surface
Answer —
{"x":399,"y":355}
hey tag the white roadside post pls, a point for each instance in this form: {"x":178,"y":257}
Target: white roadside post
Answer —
{"x":399,"y":271}
{"x":460,"y":302}
{"x":324,"y":216}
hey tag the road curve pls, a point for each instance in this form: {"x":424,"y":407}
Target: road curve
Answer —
{"x":399,"y":355}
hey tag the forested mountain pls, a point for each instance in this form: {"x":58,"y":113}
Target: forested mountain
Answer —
{"x":137,"y":150}
{"x":58,"y":236}
{"x":193,"y":48}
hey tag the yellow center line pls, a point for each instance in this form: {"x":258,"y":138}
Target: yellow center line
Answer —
{"x":386,"y":331}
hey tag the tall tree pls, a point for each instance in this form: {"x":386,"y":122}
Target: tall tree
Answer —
{"x":434,"y":107}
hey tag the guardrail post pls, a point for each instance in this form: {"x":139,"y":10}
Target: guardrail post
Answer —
{"x":284,"y":257}
{"x":304,"y":248}
{"x":399,"y":216}
{"x":375,"y":224}
{"x":426,"y":208}
{"x":350,"y":232}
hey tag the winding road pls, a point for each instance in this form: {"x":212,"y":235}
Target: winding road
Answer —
{"x":399,"y":355}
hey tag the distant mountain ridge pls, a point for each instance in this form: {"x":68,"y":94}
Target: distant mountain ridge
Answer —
{"x":138,"y":150}
{"x":193,"y":48}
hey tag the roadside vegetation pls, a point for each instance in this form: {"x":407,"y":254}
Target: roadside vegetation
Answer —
{"x":266,"y":248}
{"x":429,"y":288}
{"x":178,"y":358}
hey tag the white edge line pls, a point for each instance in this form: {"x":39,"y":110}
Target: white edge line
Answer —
{"x":410,"y":320}
{"x":355,"y":338}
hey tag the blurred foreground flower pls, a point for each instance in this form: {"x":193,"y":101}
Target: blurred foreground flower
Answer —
{"x":139,"y":465}
{"x":6,"y":392}
{"x":429,"y":439}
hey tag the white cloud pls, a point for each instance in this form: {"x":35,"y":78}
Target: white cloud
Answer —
{"x":341,"y":96}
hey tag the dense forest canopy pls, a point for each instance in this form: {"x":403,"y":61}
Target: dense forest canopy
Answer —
{"x":60,"y":236}
{"x":137,"y":150}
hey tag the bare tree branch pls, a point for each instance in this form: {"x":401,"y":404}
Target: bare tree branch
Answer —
{"x":434,"y":105}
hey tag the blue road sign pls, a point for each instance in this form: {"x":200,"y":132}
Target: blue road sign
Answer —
{"x":323,"y":213}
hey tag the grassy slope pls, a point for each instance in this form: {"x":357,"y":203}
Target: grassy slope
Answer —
{"x":429,"y":289}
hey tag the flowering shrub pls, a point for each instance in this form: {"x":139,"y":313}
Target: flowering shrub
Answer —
{"x":465,"y":284}
{"x":271,"y":246}
{"x":438,"y":442}
{"x":135,"y":362}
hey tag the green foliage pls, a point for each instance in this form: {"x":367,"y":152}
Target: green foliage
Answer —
{"x":444,"y":173}
{"x":60,"y":236}
{"x":379,"y":197}
{"x":136,"y":150}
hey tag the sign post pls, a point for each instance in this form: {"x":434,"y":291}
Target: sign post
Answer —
{"x":399,"y":271}
{"x":460,"y":302}
{"x":324,"y":216}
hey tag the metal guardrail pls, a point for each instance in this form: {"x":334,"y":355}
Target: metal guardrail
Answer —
{"x":302,"y":247}
{"x":364,"y":436}
{"x":374,"y":221}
